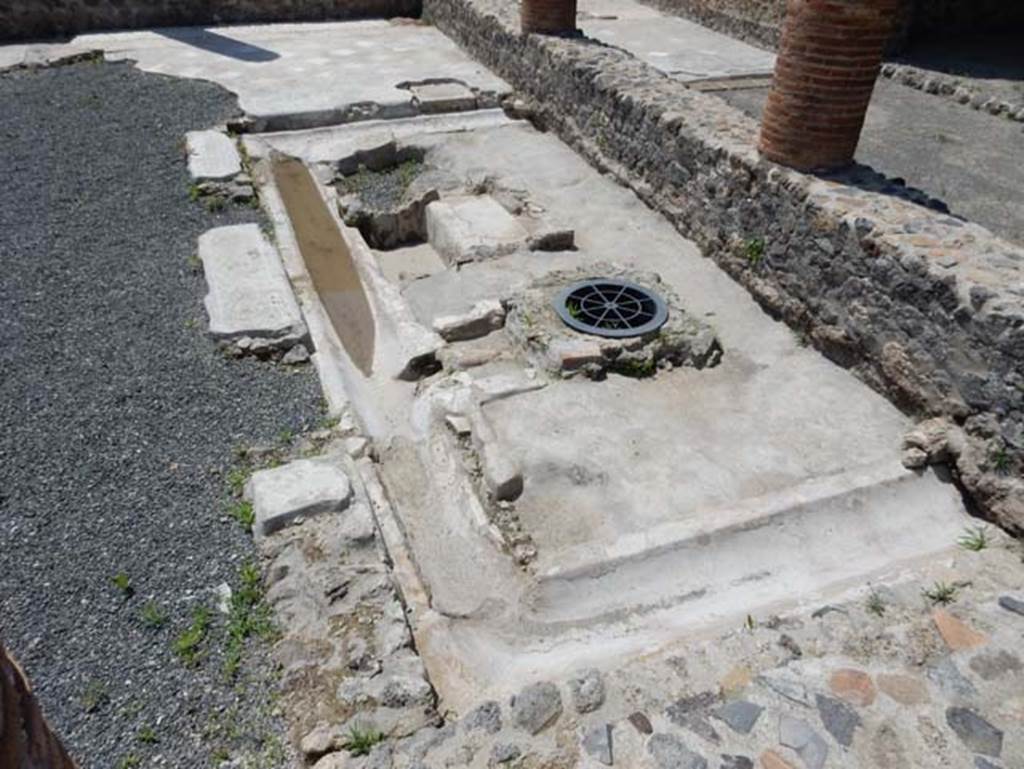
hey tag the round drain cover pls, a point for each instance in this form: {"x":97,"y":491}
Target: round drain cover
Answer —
{"x":611,"y":307}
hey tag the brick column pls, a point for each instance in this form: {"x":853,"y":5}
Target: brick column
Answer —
{"x":549,"y":17}
{"x":828,"y":60}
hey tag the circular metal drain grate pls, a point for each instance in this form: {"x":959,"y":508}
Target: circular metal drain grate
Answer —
{"x":610,"y":307}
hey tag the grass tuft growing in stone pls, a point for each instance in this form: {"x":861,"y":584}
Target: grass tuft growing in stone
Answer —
{"x":876,"y":604}
{"x":189,"y":645}
{"x":360,"y":741}
{"x":941,"y":593}
{"x":147,"y":735}
{"x":242,"y":512}
{"x":755,"y":251}
{"x":248,"y":616}
{"x":153,"y":616}
{"x":94,"y":696}
{"x":237,"y":478}
{"x":123,"y":583}
{"x":974,"y":538}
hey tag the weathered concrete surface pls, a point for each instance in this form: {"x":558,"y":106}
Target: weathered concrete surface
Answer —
{"x":302,"y":75}
{"x":683,"y":49}
{"x":624,"y":480}
{"x":212,"y":156}
{"x":954,"y":154}
{"x":249,"y":294}
{"x":28,"y":19}
{"x":923,"y":306}
{"x":301,"y":488}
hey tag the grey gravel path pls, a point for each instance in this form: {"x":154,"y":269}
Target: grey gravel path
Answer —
{"x":118,"y":418}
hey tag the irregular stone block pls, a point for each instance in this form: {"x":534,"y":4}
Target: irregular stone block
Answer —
{"x":536,"y":707}
{"x":485,"y":717}
{"x":587,"y":688}
{"x":905,"y":689}
{"x":598,"y":743}
{"x":975,"y":732}
{"x":465,"y":229}
{"x":798,"y":735}
{"x":670,"y":752}
{"x":838,"y":718}
{"x":249,"y":293}
{"x":481,"y":319}
{"x":854,"y":686}
{"x":212,"y":156}
{"x":740,"y":715}
{"x":955,"y":632}
{"x":1012,"y":604}
{"x":301,"y":488}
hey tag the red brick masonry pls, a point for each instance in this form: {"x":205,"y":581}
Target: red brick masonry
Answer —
{"x":829,"y":58}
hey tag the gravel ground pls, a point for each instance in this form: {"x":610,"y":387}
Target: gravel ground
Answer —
{"x":118,"y":421}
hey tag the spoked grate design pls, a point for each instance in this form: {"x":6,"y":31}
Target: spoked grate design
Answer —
{"x":611,"y":307}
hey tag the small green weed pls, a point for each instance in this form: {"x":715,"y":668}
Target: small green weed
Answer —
{"x":237,"y":478}
{"x":188,"y":646}
{"x":194,"y":193}
{"x":638,"y":369}
{"x":123,"y":583}
{"x":573,"y":308}
{"x":1001,"y":461}
{"x":94,"y":696}
{"x":153,"y":616}
{"x":876,"y":604}
{"x":147,"y":736}
{"x":941,"y":593}
{"x":286,"y":436}
{"x":755,"y":251}
{"x":974,"y":538}
{"x":214,"y":203}
{"x":242,"y":512}
{"x":360,"y":741}
{"x":129,"y":761}
{"x":248,"y":616}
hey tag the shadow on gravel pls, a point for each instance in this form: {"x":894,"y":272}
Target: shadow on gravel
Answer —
{"x":219,"y":44}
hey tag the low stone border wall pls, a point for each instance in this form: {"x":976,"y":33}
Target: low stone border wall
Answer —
{"x":926,"y":308}
{"x":32,"y":19}
{"x":958,"y":89}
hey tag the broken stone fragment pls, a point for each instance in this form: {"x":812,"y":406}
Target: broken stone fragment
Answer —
{"x":597,"y":742}
{"x":482,"y":318}
{"x":211,"y":156}
{"x":669,"y":752}
{"x":297,"y":355}
{"x":472,"y":228}
{"x":587,"y":688}
{"x":304,"y":487}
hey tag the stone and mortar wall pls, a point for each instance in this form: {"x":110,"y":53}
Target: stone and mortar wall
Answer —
{"x":926,"y":308}
{"x":33,"y":19}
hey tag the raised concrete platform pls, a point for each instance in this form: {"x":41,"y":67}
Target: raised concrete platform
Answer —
{"x":647,"y":510}
{"x":302,"y":75}
{"x":249,"y":294}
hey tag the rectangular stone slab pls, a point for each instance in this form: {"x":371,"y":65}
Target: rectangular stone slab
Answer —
{"x":212,"y":156}
{"x":301,"y":488}
{"x":249,"y":293}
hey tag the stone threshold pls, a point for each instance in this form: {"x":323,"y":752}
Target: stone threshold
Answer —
{"x":926,"y":308}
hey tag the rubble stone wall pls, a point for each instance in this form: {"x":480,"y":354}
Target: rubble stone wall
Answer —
{"x":33,"y":19}
{"x":925,"y":307}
